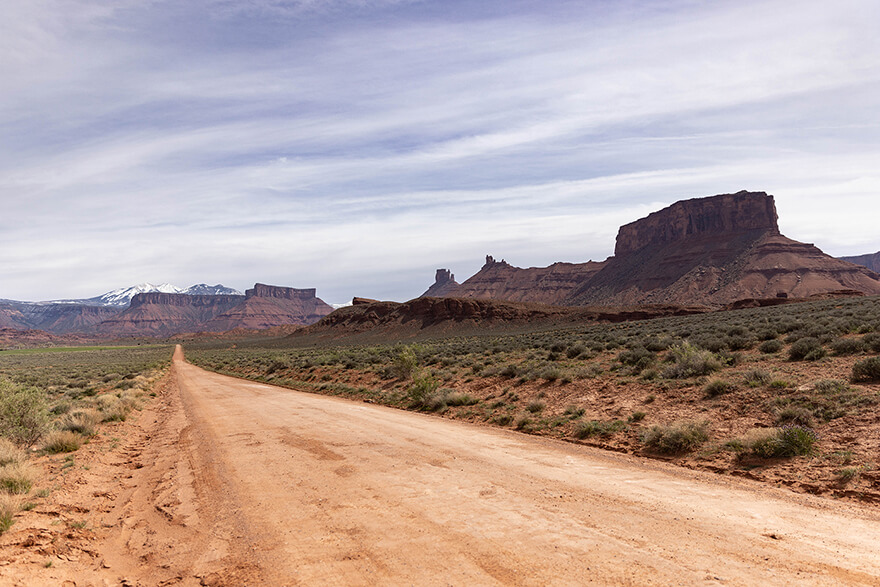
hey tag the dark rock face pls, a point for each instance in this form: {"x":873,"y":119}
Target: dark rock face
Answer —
{"x":261,"y":290}
{"x":163,"y":314}
{"x":716,"y":251}
{"x":499,"y":280}
{"x":716,"y":217}
{"x":444,"y":283}
{"x":872,"y":262}
{"x":267,"y":306}
{"x":56,"y":318}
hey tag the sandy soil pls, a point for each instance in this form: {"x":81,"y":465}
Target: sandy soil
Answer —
{"x":229,"y":482}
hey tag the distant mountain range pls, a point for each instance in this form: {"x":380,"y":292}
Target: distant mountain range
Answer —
{"x":164,"y":310}
{"x":122,"y":297}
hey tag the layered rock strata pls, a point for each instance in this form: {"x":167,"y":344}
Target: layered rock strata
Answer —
{"x":266,"y":306}
{"x":716,"y":251}
{"x":498,"y":280}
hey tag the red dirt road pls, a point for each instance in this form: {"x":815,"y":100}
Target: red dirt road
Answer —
{"x":249,"y":484}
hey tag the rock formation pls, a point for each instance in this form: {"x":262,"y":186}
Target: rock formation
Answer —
{"x":499,"y":280}
{"x":163,"y":314}
{"x":266,"y":306}
{"x":444,"y":283}
{"x":58,"y":318}
{"x":715,"y":251}
{"x":872,"y":262}
{"x":426,"y":317}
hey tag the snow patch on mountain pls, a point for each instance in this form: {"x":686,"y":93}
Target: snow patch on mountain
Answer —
{"x":122,"y":297}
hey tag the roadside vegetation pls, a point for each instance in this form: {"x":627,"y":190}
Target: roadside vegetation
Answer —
{"x":771,"y":393}
{"x":53,"y":401}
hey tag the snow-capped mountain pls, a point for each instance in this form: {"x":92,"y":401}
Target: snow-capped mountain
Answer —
{"x":122,"y":297}
{"x":203,"y":289}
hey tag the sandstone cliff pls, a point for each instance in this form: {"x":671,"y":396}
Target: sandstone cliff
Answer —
{"x":444,"y":283}
{"x":163,"y":314}
{"x":58,"y":318}
{"x":872,"y":262}
{"x":266,"y":306}
{"x":499,"y":280}
{"x":716,"y":251}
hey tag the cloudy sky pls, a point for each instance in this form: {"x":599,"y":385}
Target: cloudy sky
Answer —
{"x":357,"y":145}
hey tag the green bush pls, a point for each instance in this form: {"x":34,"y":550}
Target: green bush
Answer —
{"x":789,"y":441}
{"x":872,"y":341}
{"x":770,"y":346}
{"x":9,"y":506}
{"x":866,"y":370}
{"x":757,"y":377}
{"x":806,"y":349}
{"x":676,"y":438}
{"x":422,"y":391}
{"x":597,"y":428}
{"x":23,"y":413}
{"x":536,"y":406}
{"x":847,"y":346}
{"x":718,"y":387}
{"x":690,"y":361}
{"x":461,"y":399}
{"x":405,"y":363}
{"x":794,"y":415}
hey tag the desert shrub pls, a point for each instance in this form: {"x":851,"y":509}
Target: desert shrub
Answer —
{"x":789,"y":441}
{"x":502,"y":419}
{"x":574,"y":412}
{"x":17,"y":478}
{"x":794,"y":415}
{"x":9,"y":453}
{"x":655,"y":344}
{"x":739,"y":343}
{"x":689,"y":361}
{"x":461,"y":399}
{"x":847,"y":346}
{"x":718,"y":387}
{"x":550,"y":373}
{"x":756,"y":377}
{"x":84,"y":422}
{"x":637,"y":416}
{"x":60,"y":441}
{"x":23,"y":413}
{"x":511,"y":371}
{"x":806,"y":349}
{"x":61,"y":408}
{"x":639,"y":358}
{"x":9,"y":506}
{"x":536,"y":406}
{"x":422,"y":390}
{"x":866,"y":370}
{"x":847,"y":474}
{"x":676,"y":438}
{"x":112,"y":408}
{"x":597,"y":428}
{"x":872,"y":341}
{"x":576,"y":351}
{"x":769,"y":347}
{"x":523,"y":423}
{"x":404,"y":363}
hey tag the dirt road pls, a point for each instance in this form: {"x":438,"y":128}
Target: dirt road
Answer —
{"x":249,"y":484}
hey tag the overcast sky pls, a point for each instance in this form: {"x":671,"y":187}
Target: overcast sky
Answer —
{"x":357,"y":145}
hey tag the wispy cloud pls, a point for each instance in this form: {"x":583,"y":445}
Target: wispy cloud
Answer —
{"x":355,"y":145}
